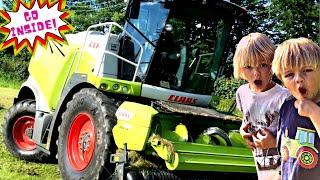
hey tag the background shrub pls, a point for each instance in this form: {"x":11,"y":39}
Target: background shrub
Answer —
{"x":224,"y":95}
{"x":13,"y":69}
{"x":226,"y":87}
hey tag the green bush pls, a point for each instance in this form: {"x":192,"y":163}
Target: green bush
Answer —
{"x":224,"y":95}
{"x":14,"y":68}
{"x":226,"y":87}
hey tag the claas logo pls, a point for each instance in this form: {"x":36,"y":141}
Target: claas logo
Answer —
{"x":182,"y":99}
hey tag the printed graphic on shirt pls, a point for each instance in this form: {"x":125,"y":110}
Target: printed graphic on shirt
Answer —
{"x":259,"y":123}
{"x":266,"y":158}
{"x":301,"y":148}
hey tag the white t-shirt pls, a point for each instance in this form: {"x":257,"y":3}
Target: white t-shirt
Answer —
{"x":261,"y":110}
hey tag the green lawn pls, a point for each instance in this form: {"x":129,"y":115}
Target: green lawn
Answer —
{"x":8,"y":82}
{"x":14,"y":168}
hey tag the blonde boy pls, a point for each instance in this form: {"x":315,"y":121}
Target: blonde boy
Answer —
{"x":259,"y":100}
{"x":297,"y":64}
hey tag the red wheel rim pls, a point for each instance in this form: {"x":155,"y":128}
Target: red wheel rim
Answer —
{"x":81,"y":141}
{"x":22,"y":132}
{"x":307,"y":158}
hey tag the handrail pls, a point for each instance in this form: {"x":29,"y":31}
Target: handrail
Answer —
{"x":110,"y":24}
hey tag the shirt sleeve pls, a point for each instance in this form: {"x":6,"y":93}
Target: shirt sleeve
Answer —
{"x":238,"y":101}
{"x":274,"y":126}
{"x":285,"y":95}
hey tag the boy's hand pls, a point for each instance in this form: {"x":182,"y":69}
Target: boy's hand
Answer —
{"x":264,"y":139}
{"x":309,"y":109}
{"x":306,"y":107}
{"x":247,"y":136}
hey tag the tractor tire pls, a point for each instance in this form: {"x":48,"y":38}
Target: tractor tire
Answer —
{"x":85,"y":140}
{"x":17,"y":131}
{"x":307,"y":157}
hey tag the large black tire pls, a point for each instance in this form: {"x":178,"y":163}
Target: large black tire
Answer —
{"x":85,"y":136}
{"x":17,"y":131}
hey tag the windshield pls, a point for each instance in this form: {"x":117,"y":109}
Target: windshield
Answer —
{"x":183,"y":43}
{"x":188,"y":54}
{"x":147,"y":29}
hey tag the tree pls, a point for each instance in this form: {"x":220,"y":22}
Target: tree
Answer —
{"x":283,"y":19}
{"x":295,"y":18}
{"x":279,"y":19}
{"x":85,"y":14}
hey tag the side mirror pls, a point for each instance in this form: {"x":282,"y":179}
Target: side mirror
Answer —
{"x":133,"y":9}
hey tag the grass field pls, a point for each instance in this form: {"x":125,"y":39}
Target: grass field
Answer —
{"x":14,"y":168}
{"x":9,"y":83}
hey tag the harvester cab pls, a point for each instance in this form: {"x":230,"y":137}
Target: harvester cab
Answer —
{"x":171,"y":49}
{"x":182,"y":47}
{"x":183,"y":42}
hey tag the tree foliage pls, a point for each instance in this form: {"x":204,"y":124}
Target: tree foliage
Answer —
{"x":279,"y":19}
{"x":14,"y":67}
{"x":283,"y":19}
{"x":295,"y":18}
{"x":85,"y":15}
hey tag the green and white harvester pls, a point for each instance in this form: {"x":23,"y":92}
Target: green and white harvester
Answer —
{"x":134,"y":101}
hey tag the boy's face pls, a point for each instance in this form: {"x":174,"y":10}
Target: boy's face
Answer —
{"x":303,"y":82}
{"x":258,"y":77}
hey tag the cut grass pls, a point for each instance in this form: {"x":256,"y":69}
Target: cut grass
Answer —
{"x":14,"y":168}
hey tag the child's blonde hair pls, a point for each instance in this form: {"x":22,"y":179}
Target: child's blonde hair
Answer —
{"x":252,"y":49}
{"x":295,"y":53}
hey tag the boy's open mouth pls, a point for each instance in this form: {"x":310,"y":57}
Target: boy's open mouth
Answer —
{"x":257,"y":82}
{"x":302,"y":90}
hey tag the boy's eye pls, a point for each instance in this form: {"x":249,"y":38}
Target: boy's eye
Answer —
{"x":248,"y":67}
{"x":288,"y":75}
{"x":308,"y":70}
{"x":264,"y":65}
